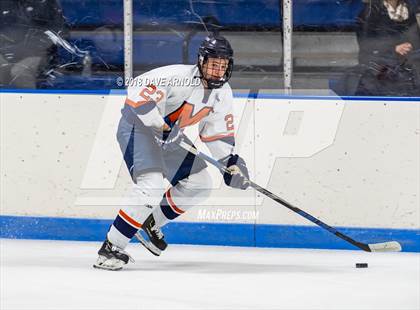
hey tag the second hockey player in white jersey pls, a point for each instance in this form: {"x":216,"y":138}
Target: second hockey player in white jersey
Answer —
{"x":159,"y":105}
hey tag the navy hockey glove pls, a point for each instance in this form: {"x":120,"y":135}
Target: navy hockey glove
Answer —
{"x":169,"y":139}
{"x":238,"y":176}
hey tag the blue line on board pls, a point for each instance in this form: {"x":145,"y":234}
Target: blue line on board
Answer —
{"x":237,"y":95}
{"x":228,"y":234}
{"x":67,"y":91}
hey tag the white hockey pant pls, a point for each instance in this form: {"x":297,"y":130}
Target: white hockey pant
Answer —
{"x":146,"y":197}
{"x":189,"y":192}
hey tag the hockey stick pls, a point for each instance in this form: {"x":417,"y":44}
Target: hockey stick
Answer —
{"x":390,"y":246}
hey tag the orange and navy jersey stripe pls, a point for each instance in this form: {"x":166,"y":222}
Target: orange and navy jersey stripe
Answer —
{"x":141,"y":107}
{"x":172,"y":203}
{"x":168,"y":206}
{"x":129,"y":219}
{"x":126,"y":225}
{"x":228,"y":138}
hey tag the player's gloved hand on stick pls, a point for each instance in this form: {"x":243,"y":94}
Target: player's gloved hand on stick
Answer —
{"x":168,"y":138}
{"x":238,"y":176}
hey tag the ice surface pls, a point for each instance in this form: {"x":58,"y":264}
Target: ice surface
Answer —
{"x":59,"y":275}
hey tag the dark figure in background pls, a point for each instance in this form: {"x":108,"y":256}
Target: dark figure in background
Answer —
{"x":389,"y":43}
{"x":25,"y":48}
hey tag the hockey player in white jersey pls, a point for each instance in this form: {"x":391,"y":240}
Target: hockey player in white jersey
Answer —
{"x":159,"y":105}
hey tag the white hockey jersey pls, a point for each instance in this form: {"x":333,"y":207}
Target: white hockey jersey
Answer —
{"x":175,"y":94}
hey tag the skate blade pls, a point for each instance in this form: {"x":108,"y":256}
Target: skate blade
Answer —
{"x":148,"y":245}
{"x":106,"y":268}
{"x":108,"y":264}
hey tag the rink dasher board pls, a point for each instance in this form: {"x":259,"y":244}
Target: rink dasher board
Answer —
{"x":373,"y":189}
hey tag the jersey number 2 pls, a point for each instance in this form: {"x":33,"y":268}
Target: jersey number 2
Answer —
{"x":150,"y":90}
{"x":229,"y":122}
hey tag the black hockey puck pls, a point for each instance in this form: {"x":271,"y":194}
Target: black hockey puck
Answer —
{"x":361,"y":265}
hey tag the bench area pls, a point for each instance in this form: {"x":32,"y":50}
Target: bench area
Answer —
{"x":168,"y":32}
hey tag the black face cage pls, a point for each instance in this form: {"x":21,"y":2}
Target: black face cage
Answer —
{"x":211,"y":83}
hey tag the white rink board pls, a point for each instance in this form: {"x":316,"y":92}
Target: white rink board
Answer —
{"x":350,"y":163}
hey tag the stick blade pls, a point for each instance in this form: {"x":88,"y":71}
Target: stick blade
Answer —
{"x":391,"y":246}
